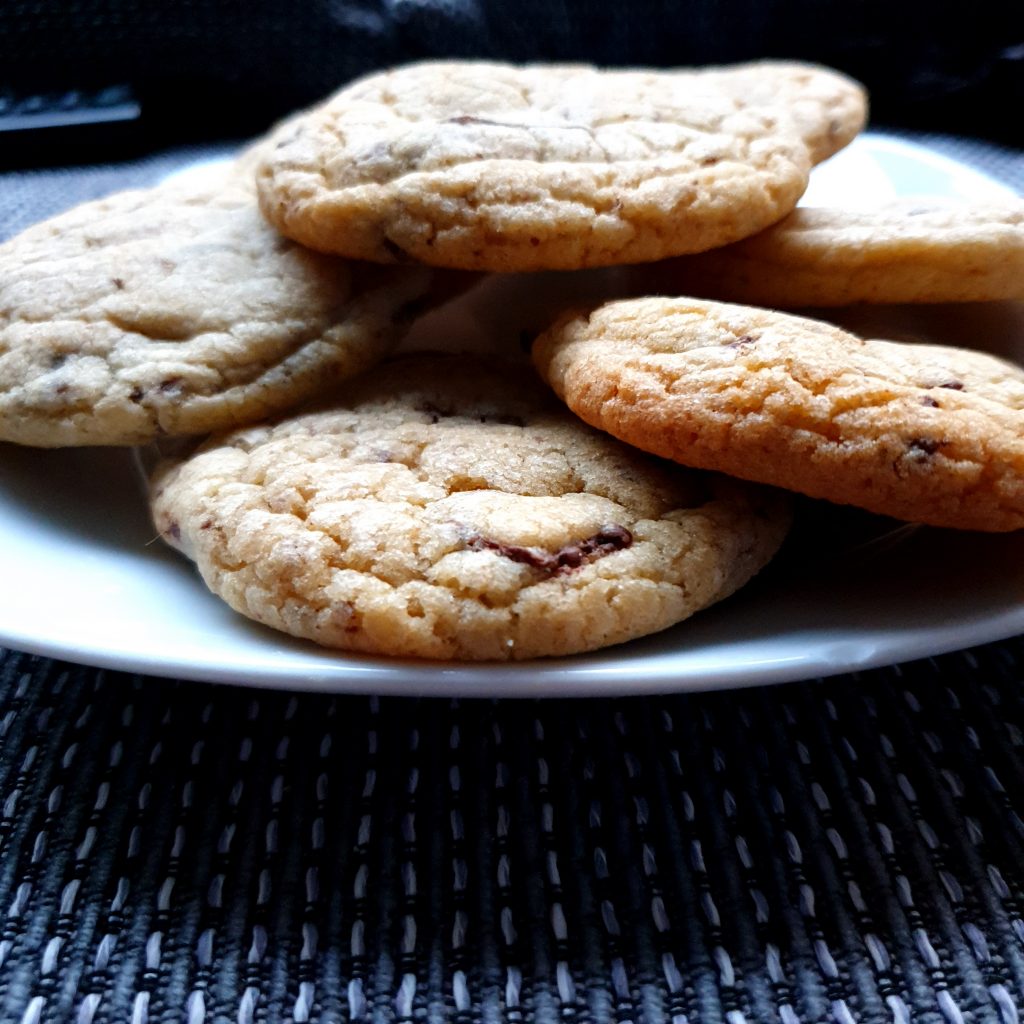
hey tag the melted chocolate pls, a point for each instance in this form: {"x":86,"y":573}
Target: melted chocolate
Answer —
{"x":395,"y":251}
{"x":924,"y":446}
{"x":608,"y":539}
{"x":743,"y":341}
{"x":469,"y":119}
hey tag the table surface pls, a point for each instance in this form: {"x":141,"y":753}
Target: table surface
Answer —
{"x":845,"y":850}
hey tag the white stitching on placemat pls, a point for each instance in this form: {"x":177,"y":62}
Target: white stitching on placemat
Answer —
{"x":357,"y":1002}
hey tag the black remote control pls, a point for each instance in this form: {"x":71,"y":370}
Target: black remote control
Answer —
{"x":68,"y":127}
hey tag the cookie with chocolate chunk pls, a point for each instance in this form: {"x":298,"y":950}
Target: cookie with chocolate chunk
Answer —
{"x":925,"y":433}
{"x":179,"y":310}
{"x":445,"y":508}
{"x":485,"y":166}
{"x":909,"y":250}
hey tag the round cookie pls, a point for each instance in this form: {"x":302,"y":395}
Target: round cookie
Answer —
{"x":447,"y":508}
{"x":906,"y":251}
{"x":500,"y":167}
{"x":920,"y":432}
{"x":178,"y":310}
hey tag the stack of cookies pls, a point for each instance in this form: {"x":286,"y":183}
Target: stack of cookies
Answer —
{"x":449,"y":506}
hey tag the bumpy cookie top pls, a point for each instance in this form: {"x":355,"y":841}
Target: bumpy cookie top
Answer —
{"x":178,"y":310}
{"x":448,"y":508}
{"x":920,"y":432}
{"x":910,"y":250}
{"x":502,"y":167}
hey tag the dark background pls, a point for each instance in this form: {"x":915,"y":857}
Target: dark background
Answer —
{"x":226,"y":68}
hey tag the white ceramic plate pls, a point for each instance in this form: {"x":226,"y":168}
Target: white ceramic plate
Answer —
{"x":82,"y":576}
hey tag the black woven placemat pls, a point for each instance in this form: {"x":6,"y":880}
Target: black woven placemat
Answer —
{"x":849,"y":851}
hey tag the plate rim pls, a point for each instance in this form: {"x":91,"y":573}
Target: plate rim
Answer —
{"x":533,"y":679}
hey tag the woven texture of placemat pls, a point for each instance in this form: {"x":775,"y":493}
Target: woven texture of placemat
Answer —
{"x":850,"y":850}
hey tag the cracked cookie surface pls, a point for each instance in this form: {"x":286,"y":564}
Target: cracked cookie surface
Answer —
{"x":924,"y":433}
{"x":175,"y":311}
{"x":447,"y":508}
{"x":501,"y":167}
{"x":911,"y":250}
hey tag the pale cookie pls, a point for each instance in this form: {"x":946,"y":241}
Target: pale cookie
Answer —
{"x":248,"y":158}
{"x":906,"y":251}
{"x":178,"y":310}
{"x":920,"y":432}
{"x":449,"y":508}
{"x":503,"y":167}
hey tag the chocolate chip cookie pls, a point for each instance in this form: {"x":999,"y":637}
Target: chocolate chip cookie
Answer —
{"x":440,"y":507}
{"x":921,"y":432}
{"x":178,"y":310}
{"x":906,"y":251}
{"x":500,"y":167}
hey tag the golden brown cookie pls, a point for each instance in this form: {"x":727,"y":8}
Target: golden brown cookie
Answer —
{"x":920,"y":432}
{"x":906,"y":251}
{"x":178,"y":310}
{"x":502,"y":167}
{"x":443,"y":507}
